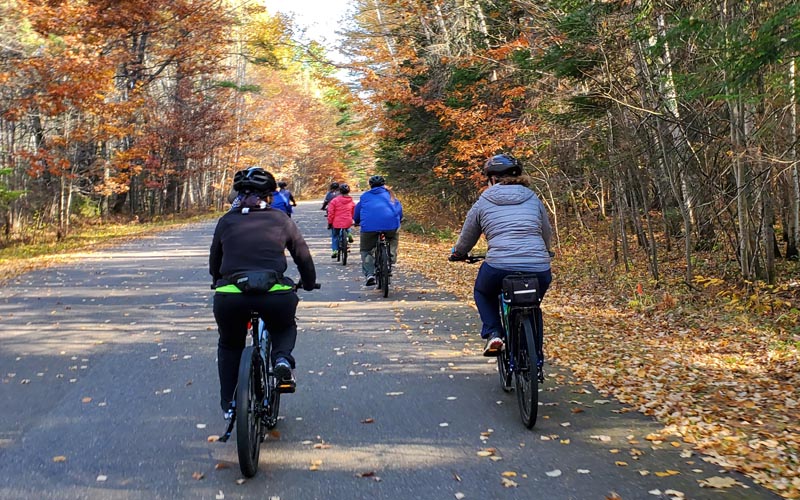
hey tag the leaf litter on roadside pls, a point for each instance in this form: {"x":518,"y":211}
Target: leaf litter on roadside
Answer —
{"x":677,"y":364}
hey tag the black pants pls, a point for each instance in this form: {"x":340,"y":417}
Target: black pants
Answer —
{"x":232,"y":312}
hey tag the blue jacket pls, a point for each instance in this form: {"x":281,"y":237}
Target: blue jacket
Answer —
{"x":280,"y":202}
{"x":377,"y":211}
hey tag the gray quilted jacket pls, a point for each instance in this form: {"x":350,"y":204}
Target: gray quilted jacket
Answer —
{"x":516,"y":226}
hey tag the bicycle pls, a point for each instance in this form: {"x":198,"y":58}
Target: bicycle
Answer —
{"x":518,"y":300}
{"x":342,"y":239}
{"x":257,"y":397}
{"x":383,"y":264}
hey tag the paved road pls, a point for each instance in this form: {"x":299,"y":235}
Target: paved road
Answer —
{"x":108,"y":390}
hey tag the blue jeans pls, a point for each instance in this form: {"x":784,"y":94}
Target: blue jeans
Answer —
{"x":488,"y":286}
{"x":335,"y":238}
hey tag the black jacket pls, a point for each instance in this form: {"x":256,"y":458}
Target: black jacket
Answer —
{"x":255,"y":241}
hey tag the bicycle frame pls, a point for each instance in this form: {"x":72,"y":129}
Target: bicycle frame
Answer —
{"x":383,"y":281}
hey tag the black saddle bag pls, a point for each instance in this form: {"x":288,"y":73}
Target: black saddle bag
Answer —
{"x":521,"y":290}
{"x":256,"y":281}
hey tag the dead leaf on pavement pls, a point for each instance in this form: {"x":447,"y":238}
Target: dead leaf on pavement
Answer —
{"x":198,"y":475}
{"x":718,"y":482}
{"x":508,"y":483}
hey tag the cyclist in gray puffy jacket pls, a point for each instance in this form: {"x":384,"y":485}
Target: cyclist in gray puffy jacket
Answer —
{"x":519,"y":234}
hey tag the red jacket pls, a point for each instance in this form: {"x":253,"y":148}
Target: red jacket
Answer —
{"x":340,"y":212}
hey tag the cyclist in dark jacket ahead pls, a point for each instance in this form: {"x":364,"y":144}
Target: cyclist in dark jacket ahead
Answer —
{"x":250,"y":240}
{"x":518,"y":232}
{"x":377,"y":211}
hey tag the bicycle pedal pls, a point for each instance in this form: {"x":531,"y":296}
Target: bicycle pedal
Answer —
{"x":286,"y":387}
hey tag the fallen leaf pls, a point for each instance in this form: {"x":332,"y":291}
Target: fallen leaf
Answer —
{"x":241,"y":480}
{"x":601,"y":437}
{"x":368,"y":421}
{"x":198,"y":475}
{"x":86,"y":400}
{"x":221,"y":466}
{"x":508,"y":483}
{"x":718,"y":482}
{"x":509,"y":473}
{"x":212,"y":438}
{"x":554,"y":473}
{"x":59,"y":458}
{"x":621,"y":464}
{"x":101,"y":478}
{"x":459,"y":495}
{"x":583,"y":471}
{"x":667,"y":473}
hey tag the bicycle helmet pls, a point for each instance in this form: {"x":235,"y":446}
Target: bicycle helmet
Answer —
{"x":502,"y":165}
{"x":344,"y":188}
{"x":376,"y":180}
{"x":282,"y":184}
{"x":334,"y":185}
{"x":254,"y":179}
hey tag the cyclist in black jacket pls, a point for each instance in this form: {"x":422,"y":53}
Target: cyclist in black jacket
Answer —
{"x":248,"y":240}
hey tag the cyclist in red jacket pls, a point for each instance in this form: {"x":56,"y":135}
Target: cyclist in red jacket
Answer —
{"x":340,"y":217}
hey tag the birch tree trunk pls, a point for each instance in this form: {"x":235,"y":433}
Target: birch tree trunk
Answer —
{"x":793,"y":231}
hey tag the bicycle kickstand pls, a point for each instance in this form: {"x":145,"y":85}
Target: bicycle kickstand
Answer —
{"x":224,"y":438}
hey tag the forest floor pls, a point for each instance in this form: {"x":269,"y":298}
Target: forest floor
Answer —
{"x":719,"y":368}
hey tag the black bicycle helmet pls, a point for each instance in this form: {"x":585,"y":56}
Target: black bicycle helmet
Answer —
{"x":282,"y":184}
{"x":502,"y":165}
{"x":254,"y":179}
{"x":334,"y":185}
{"x":344,"y":188}
{"x":376,"y":180}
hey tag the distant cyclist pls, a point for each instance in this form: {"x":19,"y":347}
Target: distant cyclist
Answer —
{"x":278,"y":200}
{"x":519,"y":234}
{"x":282,"y":189}
{"x":340,"y":217}
{"x":333,"y":191}
{"x":248,"y":245}
{"x":377,"y":211}
{"x":281,"y":202}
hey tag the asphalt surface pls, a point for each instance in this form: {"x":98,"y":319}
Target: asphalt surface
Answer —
{"x":108,"y":390}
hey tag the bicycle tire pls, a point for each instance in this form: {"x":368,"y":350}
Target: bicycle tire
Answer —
{"x":526,"y":382}
{"x":343,"y":246}
{"x":248,"y":420}
{"x":385,"y":270}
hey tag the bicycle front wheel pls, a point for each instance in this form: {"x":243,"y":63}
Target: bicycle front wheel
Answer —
{"x":248,"y":420}
{"x":525,"y":380}
{"x":343,"y":246}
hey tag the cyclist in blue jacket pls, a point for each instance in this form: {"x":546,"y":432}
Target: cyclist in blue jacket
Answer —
{"x":377,"y":211}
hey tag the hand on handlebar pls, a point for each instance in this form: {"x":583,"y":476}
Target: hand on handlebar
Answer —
{"x":456,"y":257}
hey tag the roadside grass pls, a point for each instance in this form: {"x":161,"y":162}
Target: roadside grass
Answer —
{"x":716,"y":362}
{"x":45,"y":250}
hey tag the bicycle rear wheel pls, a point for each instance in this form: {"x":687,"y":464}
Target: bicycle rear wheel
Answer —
{"x":525,"y":380}
{"x":343,"y":246}
{"x":385,"y":270}
{"x":248,"y":419}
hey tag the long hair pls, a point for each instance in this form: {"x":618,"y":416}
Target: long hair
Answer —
{"x":515,"y":180}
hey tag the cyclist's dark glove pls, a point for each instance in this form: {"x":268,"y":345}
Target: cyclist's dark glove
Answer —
{"x":456,"y":257}
{"x":308,"y":287}
{"x":330,"y":226}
